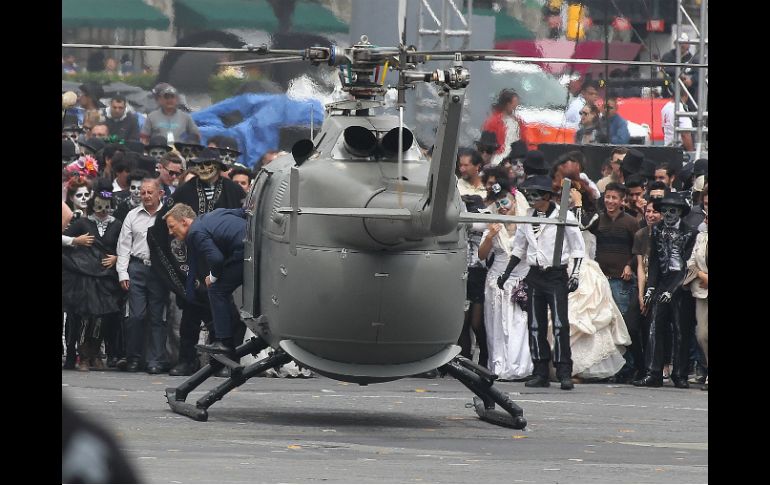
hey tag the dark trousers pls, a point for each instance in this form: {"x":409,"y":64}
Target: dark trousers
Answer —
{"x":221,"y":299}
{"x":635,"y":323}
{"x":190,"y":329}
{"x":72,"y":328}
{"x":548,"y":289}
{"x":665,"y":316}
{"x":146,"y":296}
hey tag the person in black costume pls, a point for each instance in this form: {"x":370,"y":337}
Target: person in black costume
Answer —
{"x":90,"y":289}
{"x":204,"y":193}
{"x":671,"y":244}
{"x":548,"y":285}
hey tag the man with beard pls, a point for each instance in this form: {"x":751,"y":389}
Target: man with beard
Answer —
{"x":204,"y":193}
{"x":671,"y":244}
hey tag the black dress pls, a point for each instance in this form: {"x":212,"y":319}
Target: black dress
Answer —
{"x":88,"y":288}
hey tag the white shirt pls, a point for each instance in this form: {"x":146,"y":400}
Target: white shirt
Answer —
{"x":573,"y":112}
{"x":511,"y":135}
{"x":465,"y":188}
{"x":538,"y":250}
{"x":133,"y":238}
{"x":667,"y":119}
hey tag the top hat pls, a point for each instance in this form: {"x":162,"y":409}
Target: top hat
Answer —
{"x":94,"y":144}
{"x":518,"y":150}
{"x":632,"y":162}
{"x":700,"y":167}
{"x":208,"y":154}
{"x":228,"y":143}
{"x":535,"y":160}
{"x":158,"y":141}
{"x":188,"y":150}
{"x":672,"y":198}
{"x":69,"y":151}
{"x":537,"y":182}
{"x":647,"y":169}
{"x":488,"y":139}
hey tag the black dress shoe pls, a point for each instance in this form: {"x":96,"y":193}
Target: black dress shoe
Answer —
{"x":184,"y":369}
{"x":649,"y":381}
{"x":156,"y":369}
{"x":121,"y":364}
{"x":566,"y":384}
{"x":538,"y":381}
{"x":133,"y":366}
{"x":216,"y":347}
{"x":680,"y":383}
{"x":112,"y":362}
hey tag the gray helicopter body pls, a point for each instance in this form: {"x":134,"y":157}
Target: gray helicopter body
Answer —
{"x":363,"y":300}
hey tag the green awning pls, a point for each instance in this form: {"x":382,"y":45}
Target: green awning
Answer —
{"x":253,"y":14}
{"x":507,"y":27}
{"x":111,"y":14}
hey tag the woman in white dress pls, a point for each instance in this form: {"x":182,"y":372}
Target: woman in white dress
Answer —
{"x":598,"y":333}
{"x":504,"y":319}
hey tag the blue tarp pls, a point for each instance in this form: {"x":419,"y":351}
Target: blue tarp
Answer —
{"x":263,"y":117}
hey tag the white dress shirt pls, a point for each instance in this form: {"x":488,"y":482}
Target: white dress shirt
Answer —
{"x":133,"y":238}
{"x":538,"y":249}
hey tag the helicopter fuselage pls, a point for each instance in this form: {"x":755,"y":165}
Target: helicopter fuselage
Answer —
{"x":363,"y":300}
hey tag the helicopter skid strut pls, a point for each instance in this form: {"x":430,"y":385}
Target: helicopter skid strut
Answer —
{"x":479,"y":380}
{"x":176,"y":396}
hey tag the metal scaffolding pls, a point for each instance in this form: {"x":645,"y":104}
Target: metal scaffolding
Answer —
{"x":701,"y":113}
{"x":441,"y":28}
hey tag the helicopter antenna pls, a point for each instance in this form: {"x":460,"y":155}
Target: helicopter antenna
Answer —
{"x":401,"y":98}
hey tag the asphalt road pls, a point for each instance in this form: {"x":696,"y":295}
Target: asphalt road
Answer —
{"x":407,"y":431}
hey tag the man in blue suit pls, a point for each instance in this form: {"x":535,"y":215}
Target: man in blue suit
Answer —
{"x":215,"y":249}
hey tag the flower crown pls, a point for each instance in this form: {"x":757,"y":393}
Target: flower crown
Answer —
{"x":86,"y":165}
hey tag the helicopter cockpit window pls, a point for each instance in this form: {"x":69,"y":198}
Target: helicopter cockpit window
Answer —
{"x":363,"y":152}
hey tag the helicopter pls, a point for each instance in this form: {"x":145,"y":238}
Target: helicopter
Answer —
{"x":355,"y":251}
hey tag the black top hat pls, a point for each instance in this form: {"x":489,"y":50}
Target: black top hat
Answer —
{"x":700,"y":167}
{"x":518,"y":149}
{"x":94,"y":144}
{"x":647,"y":169}
{"x":158,"y":141}
{"x":537,"y":182}
{"x":632,"y":162}
{"x":92,"y":90}
{"x":148,"y":164}
{"x":473,"y":203}
{"x":134,"y":146}
{"x":228,"y":143}
{"x":535,"y":160}
{"x":189,"y":150}
{"x":488,"y":139}
{"x":672,"y":198}
{"x":207,"y":155}
{"x":68,"y":150}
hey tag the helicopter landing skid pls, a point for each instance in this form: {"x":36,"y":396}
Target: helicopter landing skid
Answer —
{"x":176,"y":396}
{"x":479,"y":380}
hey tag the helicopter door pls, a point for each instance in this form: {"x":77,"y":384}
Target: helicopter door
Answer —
{"x":253,"y":208}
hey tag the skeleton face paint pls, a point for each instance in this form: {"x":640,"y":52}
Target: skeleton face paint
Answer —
{"x":227,"y":157}
{"x":80,"y":199}
{"x":534,"y":196}
{"x":101,"y":206}
{"x":207,"y":170}
{"x":157,"y":153}
{"x":671,"y":214}
{"x":135,"y":187}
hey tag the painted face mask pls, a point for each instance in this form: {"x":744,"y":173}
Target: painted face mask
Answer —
{"x":207,"y":170}
{"x":80,"y":199}
{"x":533,"y":196}
{"x":135,"y":188}
{"x":102,"y":202}
{"x":157,"y":153}
{"x":670,"y":214}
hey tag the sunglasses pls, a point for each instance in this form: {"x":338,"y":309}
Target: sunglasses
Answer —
{"x":173,"y":173}
{"x":503,"y":203}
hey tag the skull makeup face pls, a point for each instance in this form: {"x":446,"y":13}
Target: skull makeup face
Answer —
{"x":80,"y":199}
{"x":157,"y":153}
{"x":671,"y":214}
{"x":534,"y":196}
{"x":101,"y":204}
{"x":227,"y":157}
{"x":135,"y":188}
{"x":207,"y":170}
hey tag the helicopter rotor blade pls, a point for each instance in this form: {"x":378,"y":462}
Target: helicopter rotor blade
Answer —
{"x":402,"y":22}
{"x":362,"y":213}
{"x":470,"y":217}
{"x":266,"y":60}
{"x":247,"y":48}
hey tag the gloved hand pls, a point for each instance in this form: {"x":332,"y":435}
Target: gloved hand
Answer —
{"x":664,"y":297}
{"x":573,"y":283}
{"x":648,"y":295}
{"x":502,"y":279}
